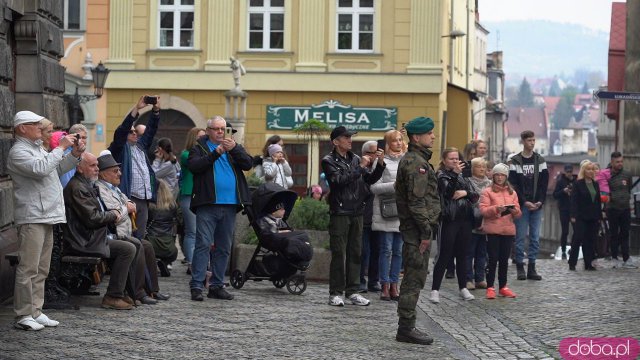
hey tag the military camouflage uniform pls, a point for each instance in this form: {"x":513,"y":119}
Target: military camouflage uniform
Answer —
{"x":418,"y":204}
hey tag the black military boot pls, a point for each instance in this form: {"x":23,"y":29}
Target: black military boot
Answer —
{"x":413,"y":335}
{"x":520,"y":269}
{"x":531,"y":272}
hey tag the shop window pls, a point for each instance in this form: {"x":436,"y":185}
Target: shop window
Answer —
{"x":355,"y":25}
{"x":74,"y":11}
{"x":266,"y":24}
{"x":176,"y":23}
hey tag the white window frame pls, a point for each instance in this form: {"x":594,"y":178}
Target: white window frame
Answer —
{"x":266,"y":10}
{"x":176,"y":10}
{"x":355,"y":11}
{"x":83,"y":16}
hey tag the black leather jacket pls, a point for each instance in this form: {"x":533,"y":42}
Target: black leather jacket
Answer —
{"x":85,"y":232}
{"x":462,"y":209}
{"x":348,"y":183}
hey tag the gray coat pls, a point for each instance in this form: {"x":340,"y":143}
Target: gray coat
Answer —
{"x":116,"y":201}
{"x":37,"y":191}
{"x":385,"y":186}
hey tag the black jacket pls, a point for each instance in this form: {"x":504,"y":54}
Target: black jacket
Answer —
{"x":582,"y":206}
{"x":564,"y":199}
{"x":540,"y":178}
{"x":85,"y":232}
{"x":348,"y":183}
{"x":200,"y":163}
{"x":462,"y":209}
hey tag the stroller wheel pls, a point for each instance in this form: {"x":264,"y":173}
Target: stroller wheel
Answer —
{"x":237,"y":279}
{"x":297,"y":284}
{"x":280,"y":283}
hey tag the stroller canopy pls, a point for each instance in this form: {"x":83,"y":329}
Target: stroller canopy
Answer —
{"x":272,"y":193}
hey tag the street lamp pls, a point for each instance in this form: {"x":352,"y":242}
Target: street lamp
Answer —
{"x":454,"y":34}
{"x":99,"y":74}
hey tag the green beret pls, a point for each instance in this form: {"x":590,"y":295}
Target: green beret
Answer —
{"x":419,"y":125}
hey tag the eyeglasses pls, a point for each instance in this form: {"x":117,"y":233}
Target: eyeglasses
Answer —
{"x":32,"y":123}
{"x":216,"y":128}
{"x":132,"y":132}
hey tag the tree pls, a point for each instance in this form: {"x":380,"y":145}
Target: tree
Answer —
{"x":585,"y":88}
{"x":525,"y":95}
{"x":554,"y":90}
{"x":311,"y":130}
{"x":564,"y":110}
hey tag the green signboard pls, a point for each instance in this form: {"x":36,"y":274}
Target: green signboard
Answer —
{"x":334,"y":114}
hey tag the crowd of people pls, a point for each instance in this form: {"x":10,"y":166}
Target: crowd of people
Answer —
{"x":386,"y":205}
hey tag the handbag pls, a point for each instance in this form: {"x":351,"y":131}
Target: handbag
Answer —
{"x":388,"y":207}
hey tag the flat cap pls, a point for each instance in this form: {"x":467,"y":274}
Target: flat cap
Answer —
{"x":24,"y":117}
{"x":341,"y":131}
{"x":419,"y":125}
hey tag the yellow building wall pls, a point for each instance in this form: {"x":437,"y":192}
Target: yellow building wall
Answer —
{"x":458,"y":118}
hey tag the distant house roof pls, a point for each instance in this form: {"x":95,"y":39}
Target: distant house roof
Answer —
{"x":521,"y":119}
{"x":583,"y":99}
{"x":568,"y":158}
{"x":617,"y":49}
{"x":551,"y":103}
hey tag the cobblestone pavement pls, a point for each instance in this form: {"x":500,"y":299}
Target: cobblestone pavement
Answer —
{"x":265,"y":322}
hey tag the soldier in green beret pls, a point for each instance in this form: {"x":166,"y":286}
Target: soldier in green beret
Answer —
{"x":418,"y":204}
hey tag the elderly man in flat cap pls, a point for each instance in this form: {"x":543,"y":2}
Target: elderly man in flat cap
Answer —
{"x":418,"y":204}
{"x":349,"y":178}
{"x":38,"y":206}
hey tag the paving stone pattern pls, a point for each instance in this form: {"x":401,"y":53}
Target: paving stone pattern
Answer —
{"x":263,"y":322}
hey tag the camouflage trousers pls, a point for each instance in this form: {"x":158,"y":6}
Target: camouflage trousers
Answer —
{"x":416,"y":266}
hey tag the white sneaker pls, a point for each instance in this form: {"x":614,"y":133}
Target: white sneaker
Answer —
{"x":435,"y":297}
{"x":28,"y":323}
{"x":357,"y":299}
{"x":629,"y":264}
{"x":44,"y":320}
{"x":466,"y":295}
{"x":336,"y":300}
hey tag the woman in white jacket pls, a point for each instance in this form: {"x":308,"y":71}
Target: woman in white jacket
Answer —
{"x":276,"y":168}
{"x":390,"y":261}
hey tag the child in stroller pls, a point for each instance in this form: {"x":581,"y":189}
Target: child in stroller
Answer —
{"x":281,"y":252}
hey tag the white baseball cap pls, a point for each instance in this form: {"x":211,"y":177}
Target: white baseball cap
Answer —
{"x":23,"y":117}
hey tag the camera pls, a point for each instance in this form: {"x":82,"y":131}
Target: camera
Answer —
{"x":77,"y":137}
{"x":150,"y":100}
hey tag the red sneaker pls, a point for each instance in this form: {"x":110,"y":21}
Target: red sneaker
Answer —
{"x":491,"y":293}
{"x":506,"y":292}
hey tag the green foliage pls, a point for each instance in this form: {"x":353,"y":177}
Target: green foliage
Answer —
{"x":525,"y":95}
{"x":312,"y":129}
{"x":310,"y":214}
{"x":253,"y":180}
{"x":251,"y":238}
{"x":585,"y":88}
{"x":564,"y":110}
{"x":554,"y":90}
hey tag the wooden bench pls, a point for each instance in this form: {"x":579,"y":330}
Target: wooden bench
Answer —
{"x":79,"y":274}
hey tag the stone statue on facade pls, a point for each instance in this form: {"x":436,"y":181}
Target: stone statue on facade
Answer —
{"x":237,"y":70}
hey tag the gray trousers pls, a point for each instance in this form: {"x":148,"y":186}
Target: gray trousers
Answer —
{"x":123,"y":253}
{"x":345,"y":241}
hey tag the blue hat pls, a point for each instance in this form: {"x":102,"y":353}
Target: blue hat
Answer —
{"x":419,"y":125}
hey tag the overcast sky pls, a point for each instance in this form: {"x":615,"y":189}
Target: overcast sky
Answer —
{"x":595,"y":14}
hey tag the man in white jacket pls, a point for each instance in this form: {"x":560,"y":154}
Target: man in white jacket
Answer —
{"x":38,"y":205}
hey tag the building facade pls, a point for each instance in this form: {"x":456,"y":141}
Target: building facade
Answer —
{"x":339,"y":61}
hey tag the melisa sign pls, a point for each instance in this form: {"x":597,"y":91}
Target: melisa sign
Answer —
{"x":332,"y":113}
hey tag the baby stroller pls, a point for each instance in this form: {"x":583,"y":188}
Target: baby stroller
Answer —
{"x":281,"y":258}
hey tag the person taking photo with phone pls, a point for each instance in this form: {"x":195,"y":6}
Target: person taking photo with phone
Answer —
{"x":130,"y":150}
{"x":499,"y":207}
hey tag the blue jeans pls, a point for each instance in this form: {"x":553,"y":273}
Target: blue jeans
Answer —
{"x":528,"y":223}
{"x":477,"y":257}
{"x":390,"y":256}
{"x":214,"y":225}
{"x":189,"y":219}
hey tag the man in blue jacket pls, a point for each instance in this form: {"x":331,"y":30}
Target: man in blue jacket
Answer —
{"x":129,"y":149}
{"x":529,"y":176}
{"x":219,"y":191}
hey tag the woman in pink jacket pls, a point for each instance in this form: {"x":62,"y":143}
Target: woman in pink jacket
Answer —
{"x":499,"y":207}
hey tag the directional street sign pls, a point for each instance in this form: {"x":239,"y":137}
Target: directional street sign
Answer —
{"x":616,"y":95}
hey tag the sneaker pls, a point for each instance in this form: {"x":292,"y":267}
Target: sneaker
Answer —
{"x":481,"y":285}
{"x":28,"y":323}
{"x":44,"y":320}
{"x":471,"y":285}
{"x":196,"y":295}
{"x":506,"y":292}
{"x":357,"y":299}
{"x":434,"y":297}
{"x":219,"y":293}
{"x":491,"y":293}
{"x":629,"y":264}
{"x":336,"y":300}
{"x":466,"y":295}
{"x":110,"y":302}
